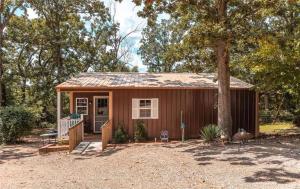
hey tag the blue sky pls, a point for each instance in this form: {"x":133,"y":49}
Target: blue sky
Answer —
{"x":126,"y":15}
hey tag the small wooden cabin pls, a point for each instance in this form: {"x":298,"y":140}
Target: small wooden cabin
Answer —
{"x":158,"y":99}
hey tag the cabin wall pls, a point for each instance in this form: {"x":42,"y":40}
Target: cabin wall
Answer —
{"x":199,"y":109}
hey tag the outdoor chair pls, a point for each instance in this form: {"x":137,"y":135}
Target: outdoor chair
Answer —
{"x":51,"y":134}
{"x":164,"y":136}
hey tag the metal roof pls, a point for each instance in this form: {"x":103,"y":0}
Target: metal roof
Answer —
{"x":147,"y":80}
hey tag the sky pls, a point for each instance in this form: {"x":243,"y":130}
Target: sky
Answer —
{"x":126,"y":15}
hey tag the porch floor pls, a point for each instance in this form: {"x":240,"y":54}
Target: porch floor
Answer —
{"x":91,"y":137}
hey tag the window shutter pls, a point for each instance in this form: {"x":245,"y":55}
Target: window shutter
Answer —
{"x":154,"y":108}
{"x":135,"y":108}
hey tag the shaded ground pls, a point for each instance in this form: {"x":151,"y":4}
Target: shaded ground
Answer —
{"x":275,"y":163}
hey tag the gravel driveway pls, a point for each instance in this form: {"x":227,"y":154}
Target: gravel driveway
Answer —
{"x":271,"y":164}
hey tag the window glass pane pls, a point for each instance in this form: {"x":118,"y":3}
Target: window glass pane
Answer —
{"x":81,"y":110}
{"x":145,"y":103}
{"x":142,"y":103}
{"x":81,"y":102}
{"x":148,"y":103}
{"x":145,"y":113}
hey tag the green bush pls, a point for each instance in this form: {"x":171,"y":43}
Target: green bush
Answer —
{"x":265,"y":116}
{"x":15,"y":122}
{"x":120,"y":134}
{"x":296,"y":120}
{"x":210,"y":133}
{"x":140,"y":133}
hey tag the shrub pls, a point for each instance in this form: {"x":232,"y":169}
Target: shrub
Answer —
{"x":285,"y":116}
{"x":296,"y":120}
{"x":15,"y":122}
{"x":210,"y":133}
{"x":120,"y":134}
{"x":140,"y":133}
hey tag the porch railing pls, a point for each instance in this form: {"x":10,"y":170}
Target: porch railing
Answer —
{"x":75,"y":135}
{"x":106,"y":133}
{"x":66,"y":123}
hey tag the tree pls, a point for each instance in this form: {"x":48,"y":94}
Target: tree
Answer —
{"x":8,"y":9}
{"x":214,"y":26}
{"x":163,"y":50}
{"x":155,"y":46}
{"x":273,"y":63}
{"x":66,"y":37}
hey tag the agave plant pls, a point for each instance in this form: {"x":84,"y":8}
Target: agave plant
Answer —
{"x":210,"y":133}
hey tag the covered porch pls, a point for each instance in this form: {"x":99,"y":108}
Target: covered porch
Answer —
{"x":89,"y":113}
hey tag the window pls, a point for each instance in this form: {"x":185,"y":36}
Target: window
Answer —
{"x":145,"y":108}
{"x":82,"y":106}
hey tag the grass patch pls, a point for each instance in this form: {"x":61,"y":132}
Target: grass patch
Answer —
{"x":279,"y":128}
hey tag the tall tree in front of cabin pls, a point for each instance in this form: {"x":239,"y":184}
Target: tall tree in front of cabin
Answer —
{"x":214,"y":26}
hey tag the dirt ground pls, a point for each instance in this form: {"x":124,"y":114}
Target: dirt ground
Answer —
{"x":272,"y":163}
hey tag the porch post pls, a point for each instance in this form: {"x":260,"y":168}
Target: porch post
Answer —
{"x":110,"y":112}
{"x":71,"y":97}
{"x":58,"y":113}
{"x":256,"y":114}
{"x":82,"y":119}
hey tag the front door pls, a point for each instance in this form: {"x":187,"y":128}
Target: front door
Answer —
{"x":100,"y":112}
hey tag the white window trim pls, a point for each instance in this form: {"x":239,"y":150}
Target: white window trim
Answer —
{"x":138,"y":108}
{"x":87,"y":105}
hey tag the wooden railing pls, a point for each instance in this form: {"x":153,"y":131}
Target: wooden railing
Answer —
{"x":106,"y":134}
{"x":76,"y":135}
{"x":65,"y":124}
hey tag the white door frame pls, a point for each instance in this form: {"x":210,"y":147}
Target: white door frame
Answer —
{"x":94,"y":107}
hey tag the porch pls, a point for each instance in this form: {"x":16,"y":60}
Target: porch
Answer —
{"x":88,"y":122}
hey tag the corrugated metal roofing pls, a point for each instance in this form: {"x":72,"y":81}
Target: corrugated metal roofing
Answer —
{"x":147,"y":80}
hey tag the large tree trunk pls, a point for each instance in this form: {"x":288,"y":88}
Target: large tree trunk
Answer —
{"x":222,"y":52}
{"x":224,"y":102}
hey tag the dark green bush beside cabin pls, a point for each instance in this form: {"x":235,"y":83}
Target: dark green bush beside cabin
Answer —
{"x":210,"y":133}
{"x":120,"y":135}
{"x":15,"y":122}
{"x":140,"y":133}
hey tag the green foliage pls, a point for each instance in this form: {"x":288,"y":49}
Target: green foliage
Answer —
{"x":296,"y":120}
{"x":120,"y":134}
{"x":140,"y":133}
{"x":15,"y":122}
{"x":65,"y":38}
{"x":262,"y":38}
{"x":265,"y":116}
{"x":210,"y":133}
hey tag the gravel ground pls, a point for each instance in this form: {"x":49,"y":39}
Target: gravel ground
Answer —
{"x":271,"y":164}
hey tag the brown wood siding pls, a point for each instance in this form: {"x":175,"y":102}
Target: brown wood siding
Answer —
{"x":199,"y":109}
